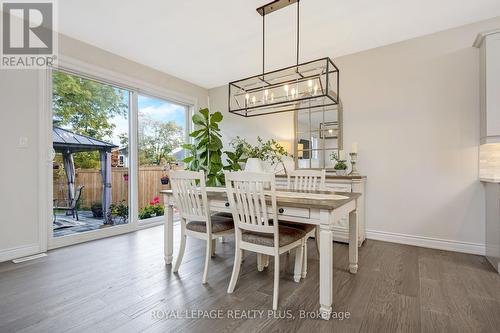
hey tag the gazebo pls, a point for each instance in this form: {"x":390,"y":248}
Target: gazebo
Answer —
{"x":67,"y":143}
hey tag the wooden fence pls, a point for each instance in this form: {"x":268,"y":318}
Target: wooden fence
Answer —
{"x":148,"y":187}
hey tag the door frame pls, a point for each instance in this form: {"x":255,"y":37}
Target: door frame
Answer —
{"x":136,"y":87}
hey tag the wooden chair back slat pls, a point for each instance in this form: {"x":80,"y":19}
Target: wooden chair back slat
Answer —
{"x":245,"y":191}
{"x":307,"y":180}
{"x":190,"y":195}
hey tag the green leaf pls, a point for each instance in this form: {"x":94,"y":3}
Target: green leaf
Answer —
{"x":188,"y":159}
{"x":205,"y":113}
{"x":215,"y":146}
{"x":216,"y":117}
{"x":196,"y":133}
{"x":198,"y":120}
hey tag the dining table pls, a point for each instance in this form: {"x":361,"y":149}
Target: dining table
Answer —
{"x":319,"y":208}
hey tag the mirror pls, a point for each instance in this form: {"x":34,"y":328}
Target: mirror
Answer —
{"x":318,"y":133}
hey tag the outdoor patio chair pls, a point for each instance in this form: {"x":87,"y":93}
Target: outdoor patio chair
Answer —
{"x":69,"y":205}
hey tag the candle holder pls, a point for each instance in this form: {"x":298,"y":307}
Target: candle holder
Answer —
{"x":354,"y":160}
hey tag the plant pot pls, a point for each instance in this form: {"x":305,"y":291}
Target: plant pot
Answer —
{"x":125,"y":178}
{"x":254,"y":165}
{"x":341,"y":172}
{"x":97,"y":212}
{"x":164,"y":181}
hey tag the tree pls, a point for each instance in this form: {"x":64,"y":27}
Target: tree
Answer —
{"x":157,"y":140}
{"x":86,"y":107}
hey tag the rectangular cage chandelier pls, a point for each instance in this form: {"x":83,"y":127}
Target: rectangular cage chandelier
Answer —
{"x":309,"y":85}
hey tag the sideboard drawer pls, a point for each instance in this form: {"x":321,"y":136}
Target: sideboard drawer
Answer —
{"x":293,"y":211}
{"x":339,"y":187}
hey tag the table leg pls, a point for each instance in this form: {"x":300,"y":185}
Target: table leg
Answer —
{"x":353,"y":242}
{"x":325,"y":265}
{"x":168,"y":241}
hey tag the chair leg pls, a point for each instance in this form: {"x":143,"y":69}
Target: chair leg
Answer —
{"x":207,"y":260}
{"x":214,"y":245}
{"x":316,"y":238}
{"x":236,"y":269}
{"x":266,"y":260}
{"x":182,"y":247}
{"x":297,"y":272}
{"x":260,"y":262}
{"x":276,"y":281}
{"x":304,"y":260}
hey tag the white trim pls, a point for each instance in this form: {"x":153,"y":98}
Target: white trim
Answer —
{"x":44,"y":172}
{"x":82,"y":237}
{"x":481,"y":36}
{"x":29,"y":258}
{"x":19,"y":252}
{"x":429,"y":242}
{"x":133,"y":166}
{"x":151,"y":224}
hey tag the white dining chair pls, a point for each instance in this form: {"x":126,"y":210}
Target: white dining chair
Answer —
{"x":306,"y":180}
{"x":254,"y":230}
{"x":190,"y":197}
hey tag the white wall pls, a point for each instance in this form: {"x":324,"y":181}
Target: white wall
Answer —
{"x":18,"y":170}
{"x":19,"y":110}
{"x":413,"y":107}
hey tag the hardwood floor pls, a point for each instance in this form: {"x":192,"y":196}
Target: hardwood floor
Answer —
{"x":121,"y":284}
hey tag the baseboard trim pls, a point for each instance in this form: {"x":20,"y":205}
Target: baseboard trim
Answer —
{"x":19,"y":252}
{"x":433,"y":243}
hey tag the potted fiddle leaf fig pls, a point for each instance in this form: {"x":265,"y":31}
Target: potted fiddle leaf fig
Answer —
{"x":206,"y":151}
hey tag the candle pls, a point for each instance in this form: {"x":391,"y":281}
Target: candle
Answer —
{"x":341,"y":155}
{"x":354,"y":147}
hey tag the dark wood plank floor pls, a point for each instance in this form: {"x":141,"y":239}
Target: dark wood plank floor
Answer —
{"x":115,"y":284}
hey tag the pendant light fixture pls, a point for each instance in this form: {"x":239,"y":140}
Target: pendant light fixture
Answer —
{"x":288,"y":89}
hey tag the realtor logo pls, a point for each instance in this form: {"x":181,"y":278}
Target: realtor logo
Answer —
{"x":28,"y":38}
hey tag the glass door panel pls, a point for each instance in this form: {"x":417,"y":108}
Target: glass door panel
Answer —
{"x":90,"y":140}
{"x":161,"y":133}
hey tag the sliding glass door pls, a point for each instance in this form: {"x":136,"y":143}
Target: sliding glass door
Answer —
{"x":162,"y":129}
{"x":113,"y":150}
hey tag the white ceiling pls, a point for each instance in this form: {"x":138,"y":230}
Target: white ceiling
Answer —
{"x":213,"y":42}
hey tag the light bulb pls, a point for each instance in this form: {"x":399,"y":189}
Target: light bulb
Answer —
{"x":293,"y":92}
{"x":315,"y":89}
{"x":286,"y":88}
{"x":272,"y":97}
{"x":266,"y":92}
{"x":247,"y":96}
{"x":309,"y":83}
{"x":253,"y":99}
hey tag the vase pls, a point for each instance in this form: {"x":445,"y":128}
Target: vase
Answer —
{"x":340,"y":172}
{"x":254,"y":165}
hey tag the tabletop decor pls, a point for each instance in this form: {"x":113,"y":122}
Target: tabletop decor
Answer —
{"x":340,"y":163}
{"x":354,"y":159}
